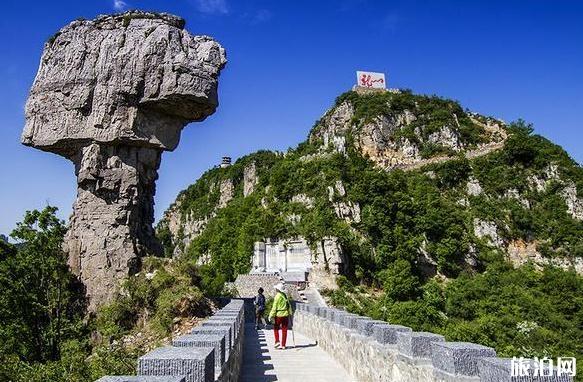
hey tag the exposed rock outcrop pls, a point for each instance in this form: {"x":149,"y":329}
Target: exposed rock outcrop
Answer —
{"x":520,"y":252}
{"x":484,"y":229}
{"x":385,"y":141}
{"x":349,"y":211}
{"x":112,"y":94}
{"x":346,"y":210}
{"x":328,"y":262}
{"x":574,"y":204}
{"x":446,"y":137}
{"x":185,"y":225}
{"x":226,"y":191}
{"x":473,"y":187}
{"x":303,"y":199}
{"x":337,"y":125}
{"x":338,"y":189}
{"x":540,"y":182}
{"x":376,"y":140}
{"x":513,"y":193}
{"x":250,"y":179}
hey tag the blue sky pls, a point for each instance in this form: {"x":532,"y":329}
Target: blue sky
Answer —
{"x":288,"y":60}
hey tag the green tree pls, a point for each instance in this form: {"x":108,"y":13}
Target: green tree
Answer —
{"x":399,"y":282}
{"x":42,"y":303}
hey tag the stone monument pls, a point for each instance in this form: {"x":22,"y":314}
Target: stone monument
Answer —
{"x":295,"y":261}
{"x":111,"y":95}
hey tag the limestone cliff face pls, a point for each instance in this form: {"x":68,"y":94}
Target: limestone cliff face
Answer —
{"x":405,"y":138}
{"x":328,"y":261}
{"x":249,"y":179}
{"x":520,"y":252}
{"x":189,"y":215}
{"x":574,"y":203}
{"x":184,"y":226}
{"x":226,"y":191}
{"x":112,"y":94}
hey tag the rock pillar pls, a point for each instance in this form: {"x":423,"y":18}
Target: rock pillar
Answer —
{"x":111,"y":95}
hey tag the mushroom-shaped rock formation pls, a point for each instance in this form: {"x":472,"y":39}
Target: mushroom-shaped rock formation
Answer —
{"x":112,"y":94}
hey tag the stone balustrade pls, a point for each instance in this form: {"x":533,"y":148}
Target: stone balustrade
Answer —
{"x":372,"y":350}
{"x":212,"y":352}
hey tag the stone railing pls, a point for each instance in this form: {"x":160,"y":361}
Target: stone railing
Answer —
{"x":372,"y":350}
{"x":213,"y":352}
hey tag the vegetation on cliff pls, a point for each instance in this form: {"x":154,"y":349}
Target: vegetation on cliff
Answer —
{"x":403,"y":213}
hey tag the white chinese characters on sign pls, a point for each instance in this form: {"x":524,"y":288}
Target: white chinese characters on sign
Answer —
{"x":371,"y":80}
{"x":567,"y":366}
{"x":522,"y":367}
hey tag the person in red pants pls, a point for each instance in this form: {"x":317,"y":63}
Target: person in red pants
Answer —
{"x":280,"y":311}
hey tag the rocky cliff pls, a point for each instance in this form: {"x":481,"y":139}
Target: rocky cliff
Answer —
{"x":393,"y":175}
{"x":189,"y":215}
{"x":111,"y":95}
{"x":397,"y":131}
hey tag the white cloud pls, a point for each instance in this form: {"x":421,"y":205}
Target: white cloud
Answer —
{"x":119,"y":5}
{"x":212,"y":6}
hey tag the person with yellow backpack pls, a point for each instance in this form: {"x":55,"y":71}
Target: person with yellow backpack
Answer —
{"x":281,"y":310}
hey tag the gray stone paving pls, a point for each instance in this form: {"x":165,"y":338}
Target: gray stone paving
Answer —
{"x":306,"y":362}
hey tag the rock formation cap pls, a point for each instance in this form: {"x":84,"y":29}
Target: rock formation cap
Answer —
{"x":135,"y":78}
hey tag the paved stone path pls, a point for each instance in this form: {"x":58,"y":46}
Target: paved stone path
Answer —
{"x":306,"y":362}
{"x":313,"y":297}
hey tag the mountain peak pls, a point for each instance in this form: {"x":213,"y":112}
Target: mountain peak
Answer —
{"x":398,"y":129}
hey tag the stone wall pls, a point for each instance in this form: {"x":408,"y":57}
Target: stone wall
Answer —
{"x":213,"y":352}
{"x":373,"y":350}
{"x":247,"y":285}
